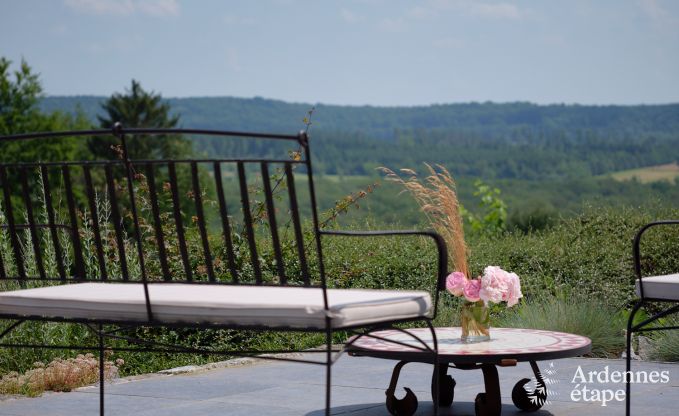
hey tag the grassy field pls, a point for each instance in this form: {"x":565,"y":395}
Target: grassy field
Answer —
{"x":668,"y":172}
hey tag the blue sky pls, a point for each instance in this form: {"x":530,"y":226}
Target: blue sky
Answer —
{"x":376,"y":52}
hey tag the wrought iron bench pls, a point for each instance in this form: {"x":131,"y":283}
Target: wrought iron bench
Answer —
{"x":120,"y":244}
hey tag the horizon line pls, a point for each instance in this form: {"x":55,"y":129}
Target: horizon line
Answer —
{"x":436,"y":104}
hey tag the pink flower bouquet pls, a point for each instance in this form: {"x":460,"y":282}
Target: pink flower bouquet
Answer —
{"x":495,"y":285}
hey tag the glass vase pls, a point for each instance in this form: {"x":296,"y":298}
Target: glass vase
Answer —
{"x":475,"y":322}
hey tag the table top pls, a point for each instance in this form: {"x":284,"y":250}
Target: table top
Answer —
{"x":505,"y":343}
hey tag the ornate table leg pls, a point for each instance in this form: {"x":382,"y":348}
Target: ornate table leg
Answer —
{"x":400,"y":407}
{"x":530,"y":400}
{"x":446,"y":386}
{"x":489,"y":403}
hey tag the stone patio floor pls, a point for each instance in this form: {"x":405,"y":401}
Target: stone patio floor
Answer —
{"x":281,"y":388}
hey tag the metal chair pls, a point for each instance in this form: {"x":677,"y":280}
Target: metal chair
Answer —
{"x":664,"y":288}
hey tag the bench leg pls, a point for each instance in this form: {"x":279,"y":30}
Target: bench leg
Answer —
{"x":435,"y":356}
{"x":101,"y":371}
{"x":328,"y":368}
{"x":628,"y":356}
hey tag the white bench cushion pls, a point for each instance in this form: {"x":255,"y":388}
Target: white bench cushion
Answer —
{"x":217,"y":304}
{"x":660,"y":287}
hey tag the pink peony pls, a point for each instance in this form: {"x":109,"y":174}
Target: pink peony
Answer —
{"x":494,"y":285}
{"x":513,"y":290}
{"x":456,"y":282}
{"x":471,"y":290}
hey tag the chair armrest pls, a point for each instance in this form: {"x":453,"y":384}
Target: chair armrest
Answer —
{"x":440,"y":247}
{"x":636,"y":250}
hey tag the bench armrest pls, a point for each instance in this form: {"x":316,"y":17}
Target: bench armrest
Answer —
{"x":636,"y":250}
{"x":440,"y":247}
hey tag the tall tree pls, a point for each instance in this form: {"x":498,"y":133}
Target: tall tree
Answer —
{"x":142,"y":109}
{"x":18,"y":98}
{"x":20,"y":94}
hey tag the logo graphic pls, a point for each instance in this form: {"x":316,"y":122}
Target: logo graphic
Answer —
{"x":532,"y":400}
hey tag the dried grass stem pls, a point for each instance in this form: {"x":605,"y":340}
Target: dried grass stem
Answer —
{"x":437,"y":197}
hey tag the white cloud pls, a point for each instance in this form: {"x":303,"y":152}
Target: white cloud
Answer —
{"x":155,"y":8}
{"x":351,"y":17}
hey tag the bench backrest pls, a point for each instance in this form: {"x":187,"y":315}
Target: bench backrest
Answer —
{"x":210,"y":220}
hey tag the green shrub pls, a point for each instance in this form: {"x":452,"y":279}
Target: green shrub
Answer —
{"x":537,"y":216}
{"x":665,"y":344}
{"x":587,"y":317}
{"x":666,"y":347}
{"x":587,"y":255}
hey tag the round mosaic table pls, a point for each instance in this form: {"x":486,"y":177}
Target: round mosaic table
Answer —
{"x":506,"y":347}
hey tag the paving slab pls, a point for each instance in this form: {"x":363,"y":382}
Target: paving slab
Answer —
{"x":281,"y":388}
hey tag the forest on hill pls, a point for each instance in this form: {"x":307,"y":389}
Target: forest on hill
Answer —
{"x":546,"y":158}
{"x":487,"y":140}
{"x":497,"y":120}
